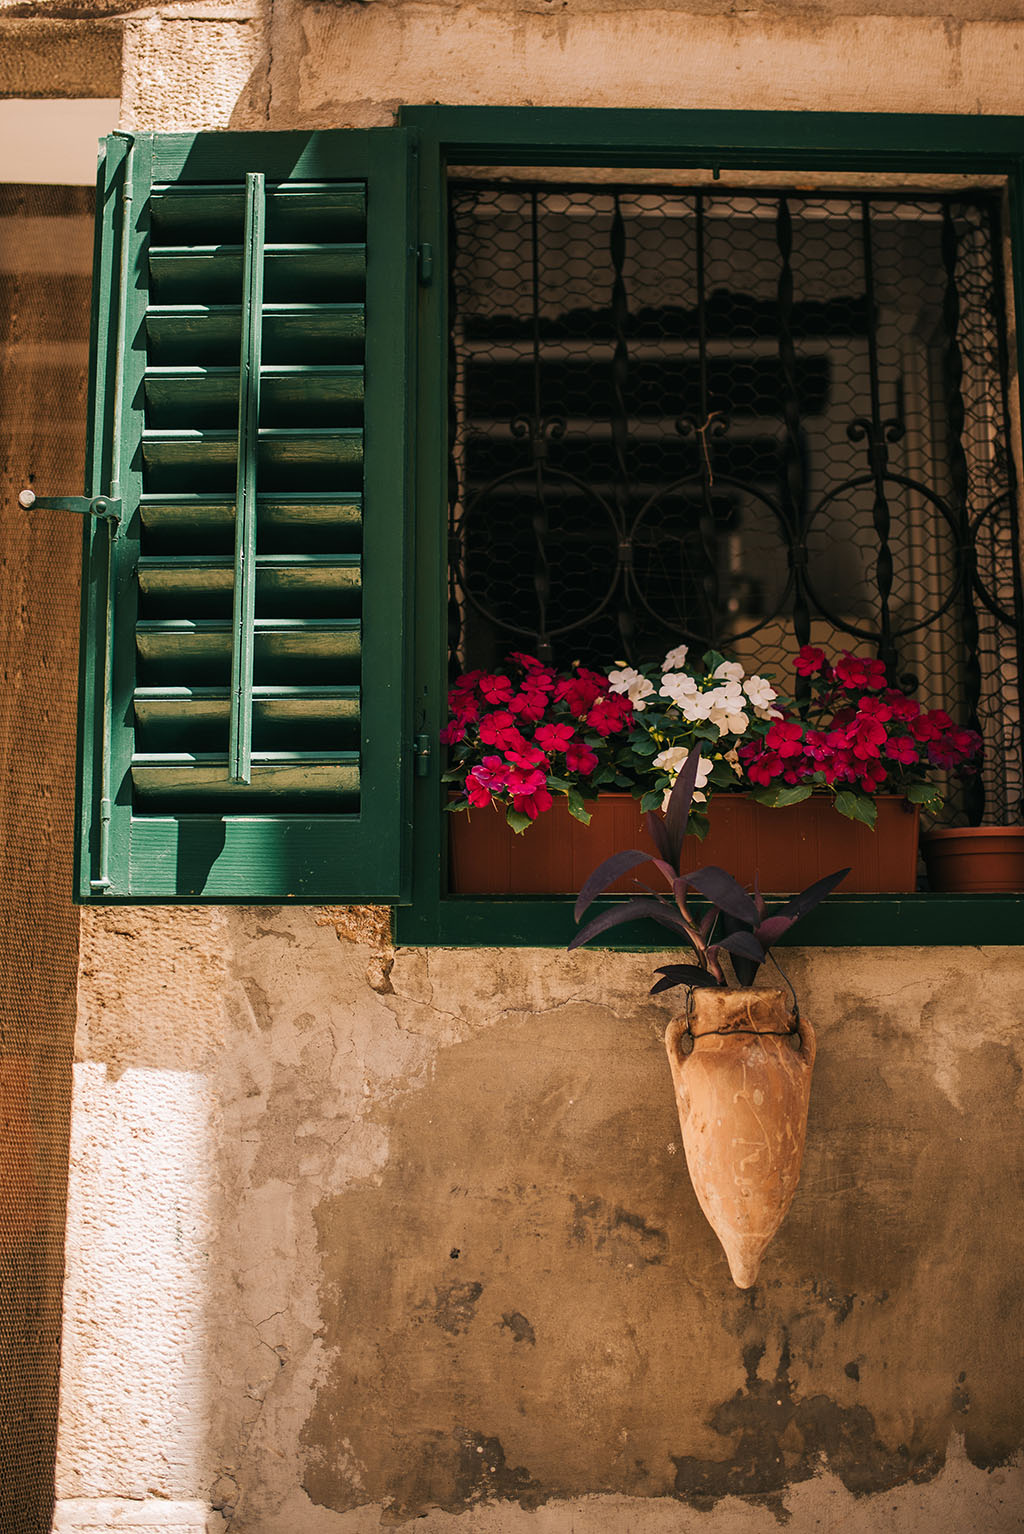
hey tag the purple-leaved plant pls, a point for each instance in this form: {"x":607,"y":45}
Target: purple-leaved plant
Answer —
{"x":736,"y":922}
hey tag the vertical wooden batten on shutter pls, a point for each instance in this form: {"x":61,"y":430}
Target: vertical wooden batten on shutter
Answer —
{"x":260,"y":587}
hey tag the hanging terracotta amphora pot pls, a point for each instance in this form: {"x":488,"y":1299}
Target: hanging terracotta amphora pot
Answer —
{"x":741,"y":1063}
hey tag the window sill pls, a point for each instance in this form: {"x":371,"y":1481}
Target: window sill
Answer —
{"x":844,"y":921}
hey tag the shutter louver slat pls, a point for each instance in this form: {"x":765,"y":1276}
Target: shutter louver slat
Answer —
{"x":257,"y":710}
{"x":244,"y":606}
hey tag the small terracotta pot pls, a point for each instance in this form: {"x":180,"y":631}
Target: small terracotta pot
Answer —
{"x":975,"y":859}
{"x":742,"y":1091}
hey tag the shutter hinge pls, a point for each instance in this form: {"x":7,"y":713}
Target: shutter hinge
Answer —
{"x":421,"y":755}
{"x":103,"y":507}
{"x":426,"y":264}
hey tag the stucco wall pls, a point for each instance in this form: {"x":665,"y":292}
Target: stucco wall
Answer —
{"x":355,"y":1244}
{"x":360,"y":1238}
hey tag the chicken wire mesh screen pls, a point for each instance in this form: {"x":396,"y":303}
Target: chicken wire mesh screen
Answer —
{"x":747,"y":421}
{"x":45,"y":262}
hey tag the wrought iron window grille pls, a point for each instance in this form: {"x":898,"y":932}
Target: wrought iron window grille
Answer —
{"x":748,"y":420}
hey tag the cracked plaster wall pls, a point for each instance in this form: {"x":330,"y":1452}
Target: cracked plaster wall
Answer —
{"x":358,"y":1237}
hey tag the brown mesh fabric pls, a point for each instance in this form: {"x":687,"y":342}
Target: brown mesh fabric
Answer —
{"x":45,"y":259}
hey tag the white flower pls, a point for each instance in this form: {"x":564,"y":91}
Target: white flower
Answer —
{"x":675,"y":658}
{"x":728,"y":671}
{"x":727,"y":723}
{"x":672,"y":761}
{"x":762,"y":695}
{"x":726,"y":709}
{"x":620,"y":679}
{"x":760,"y":691}
{"x":678,"y":686}
{"x":635,"y":686}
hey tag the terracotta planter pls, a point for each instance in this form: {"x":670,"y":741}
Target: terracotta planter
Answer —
{"x":975,"y":859}
{"x":742,"y":1091}
{"x":788,"y":849}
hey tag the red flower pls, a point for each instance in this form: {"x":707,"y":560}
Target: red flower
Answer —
{"x":581,"y":759}
{"x":867,"y":738}
{"x":530,"y":703}
{"x":500,"y":729}
{"x":784,"y":738}
{"x":466,"y":682}
{"x":902,"y":706}
{"x":856,"y":671}
{"x":954,"y":748}
{"x":453,"y":733}
{"x":901,"y":749}
{"x":528,"y":756}
{"x":875,"y":708}
{"x":496,"y":689}
{"x":579,"y":694}
{"x":540,"y":675}
{"x":810,"y":660}
{"x":610,"y":715}
{"x":485,"y":779}
{"x":554,"y":737}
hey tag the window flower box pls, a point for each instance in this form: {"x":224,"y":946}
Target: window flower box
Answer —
{"x":786,"y":849}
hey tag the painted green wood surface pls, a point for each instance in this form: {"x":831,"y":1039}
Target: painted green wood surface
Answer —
{"x":327,"y":545}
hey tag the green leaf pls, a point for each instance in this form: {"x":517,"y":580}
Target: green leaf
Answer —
{"x":643,"y":745}
{"x":518,"y":821}
{"x":857,"y":807}
{"x":794,"y":795}
{"x":455,"y":805}
{"x":722,"y":774}
{"x":768,"y":794}
{"x":922,"y":793}
{"x":713,"y":659}
{"x":559,"y":785}
{"x":577,"y":806}
{"x":698,"y":825}
{"x":652,"y":799}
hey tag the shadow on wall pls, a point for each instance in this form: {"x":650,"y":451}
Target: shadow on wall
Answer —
{"x":45,"y":260}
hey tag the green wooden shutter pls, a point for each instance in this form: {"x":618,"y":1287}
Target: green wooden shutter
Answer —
{"x":244,"y":715}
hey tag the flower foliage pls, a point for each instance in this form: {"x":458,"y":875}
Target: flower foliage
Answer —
{"x":519,"y":735}
{"x":685,"y":703}
{"x":856,"y":736}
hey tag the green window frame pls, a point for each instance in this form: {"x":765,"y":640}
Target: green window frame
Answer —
{"x":767,"y":141}
{"x":390,"y":846}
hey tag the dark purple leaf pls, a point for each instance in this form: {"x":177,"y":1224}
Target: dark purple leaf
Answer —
{"x":679,"y":802}
{"x":681,"y":974}
{"x":632,"y":910}
{"x":758,"y":899}
{"x":772,"y":928}
{"x":708,"y":922}
{"x":743,"y":943}
{"x":722,"y":888}
{"x":659,"y":836}
{"x":606,"y":873}
{"x":813,"y":895}
{"x":745,"y":969}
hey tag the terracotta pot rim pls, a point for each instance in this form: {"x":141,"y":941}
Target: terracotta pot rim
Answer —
{"x":972,"y":833}
{"x":769,"y":1009}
